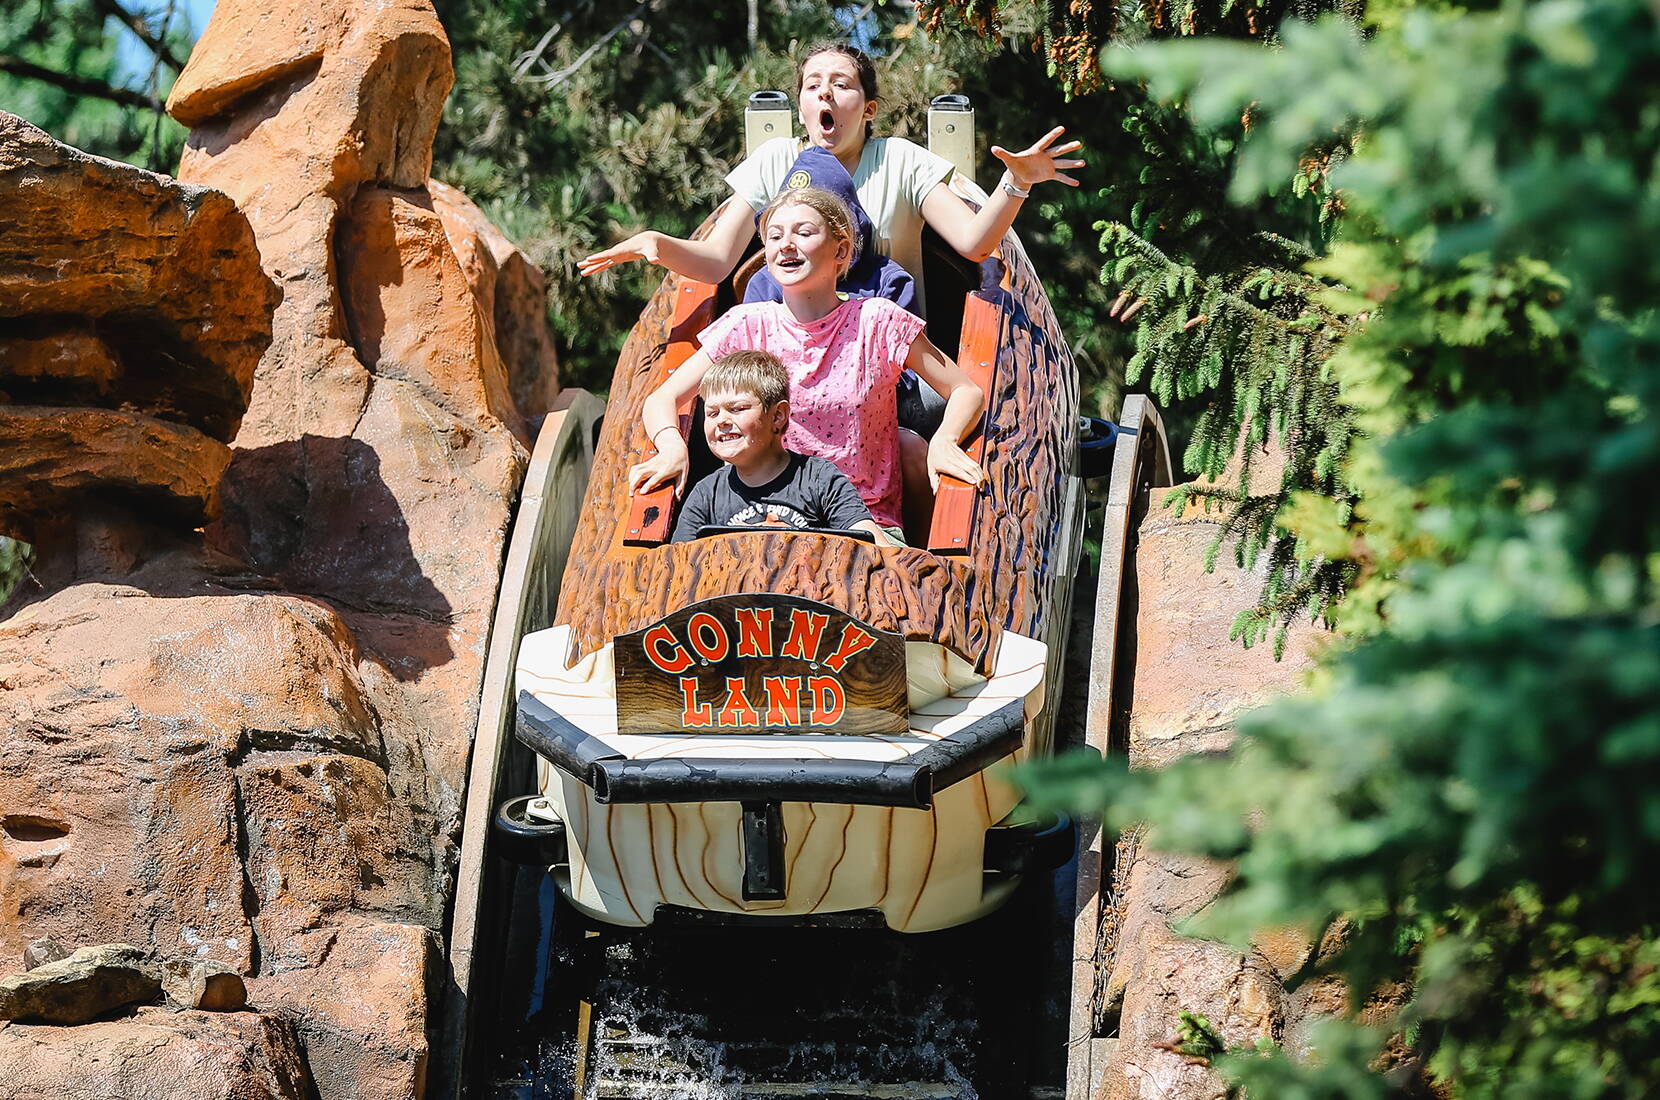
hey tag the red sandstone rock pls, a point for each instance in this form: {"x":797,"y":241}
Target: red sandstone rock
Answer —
{"x":294,"y":106}
{"x":219,"y":776}
{"x":473,"y":239}
{"x":156,"y":1053}
{"x":172,"y":269}
{"x":294,"y":133}
{"x":1191,"y":684}
{"x":356,"y":91}
{"x":361,"y":1014}
{"x":410,"y":311}
{"x":134,"y":311}
{"x":377,"y":465}
{"x":512,"y":291}
{"x":204,"y":984}
{"x":52,"y":457}
{"x":325,"y":837}
{"x":130,"y":727}
{"x":260,"y":765}
{"x":72,"y":355}
{"x":1192,"y":680}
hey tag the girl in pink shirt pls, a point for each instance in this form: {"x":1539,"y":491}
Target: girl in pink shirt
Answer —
{"x":843,"y":358}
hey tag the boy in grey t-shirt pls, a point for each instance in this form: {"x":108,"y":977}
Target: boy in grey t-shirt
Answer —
{"x":746,"y":409}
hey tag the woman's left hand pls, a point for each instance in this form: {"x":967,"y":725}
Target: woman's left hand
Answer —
{"x":945,"y":458}
{"x":1040,"y":162}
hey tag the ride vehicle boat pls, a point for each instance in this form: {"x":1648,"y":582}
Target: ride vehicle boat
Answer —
{"x":801,"y":726}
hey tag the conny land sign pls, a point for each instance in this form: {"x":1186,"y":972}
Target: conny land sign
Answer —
{"x":761,"y":663}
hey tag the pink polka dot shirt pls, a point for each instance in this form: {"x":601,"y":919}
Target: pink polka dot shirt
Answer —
{"x":843,"y":369}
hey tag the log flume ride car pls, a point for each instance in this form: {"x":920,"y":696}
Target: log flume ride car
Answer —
{"x":794,"y":724}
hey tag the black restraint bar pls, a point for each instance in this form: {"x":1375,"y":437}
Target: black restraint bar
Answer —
{"x":910,"y":783}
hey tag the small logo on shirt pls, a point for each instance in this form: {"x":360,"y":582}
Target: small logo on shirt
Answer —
{"x":768,"y":514}
{"x":798,"y":180}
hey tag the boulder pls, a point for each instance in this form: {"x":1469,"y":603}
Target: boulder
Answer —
{"x":293,"y":107}
{"x":361,"y":1012}
{"x":168,"y":273}
{"x":141,"y":727}
{"x":204,"y":984}
{"x":82,"y":987}
{"x":42,"y":951}
{"x":512,"y":291}
{"x":134,"y":310}
{"x":156,"y":1053}
{"x":50,"y":457}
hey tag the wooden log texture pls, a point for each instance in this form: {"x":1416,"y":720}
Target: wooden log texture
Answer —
{"x":964,"y":603}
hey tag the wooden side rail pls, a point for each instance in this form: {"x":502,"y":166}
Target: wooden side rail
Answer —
{"x":977,"y":355}
{"x":650,"y":514}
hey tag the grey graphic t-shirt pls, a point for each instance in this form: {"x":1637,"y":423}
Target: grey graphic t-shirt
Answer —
{"x":810,"y":492}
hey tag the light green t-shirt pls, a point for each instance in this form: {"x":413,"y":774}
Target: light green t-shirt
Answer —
{"x":893,"y":177}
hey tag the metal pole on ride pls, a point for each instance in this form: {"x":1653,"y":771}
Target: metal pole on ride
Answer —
{"x":766,"y":116}
{"x":951,"y":132}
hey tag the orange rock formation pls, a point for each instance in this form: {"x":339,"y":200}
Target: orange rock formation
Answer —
{"x":133,"y":311}
{"x":248,"y":743}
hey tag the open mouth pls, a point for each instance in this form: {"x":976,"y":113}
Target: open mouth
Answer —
{"x":789,"y":263}
{"x":826,"y":121}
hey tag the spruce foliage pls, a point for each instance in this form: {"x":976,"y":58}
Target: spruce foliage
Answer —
{"x":1227,"y":329}
{"x":61,"y":69}
{"x":1470,"y":782}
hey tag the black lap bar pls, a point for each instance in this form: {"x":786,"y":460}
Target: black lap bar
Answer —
{"x":909,"y":783}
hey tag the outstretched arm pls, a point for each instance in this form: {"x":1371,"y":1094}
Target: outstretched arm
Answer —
{"x":976,"y":234}
{"x":963,"y":400}
{"x":708,"y":261}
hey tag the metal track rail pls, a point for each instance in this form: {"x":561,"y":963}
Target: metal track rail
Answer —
{"x":1141,"y":461}
{"x":554,"y":485}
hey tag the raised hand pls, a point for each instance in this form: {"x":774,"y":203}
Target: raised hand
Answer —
{"x":1041,"y":161}
{"x":641,"y":246}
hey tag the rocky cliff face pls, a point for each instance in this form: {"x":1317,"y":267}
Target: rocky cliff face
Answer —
{"x":1191,"y":683}
{"x":132,"y":314}
{"x":265,"y":428}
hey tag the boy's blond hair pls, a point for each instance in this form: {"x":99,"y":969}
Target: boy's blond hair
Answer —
{"x":753,"y":372}
{"x":838,"y":219}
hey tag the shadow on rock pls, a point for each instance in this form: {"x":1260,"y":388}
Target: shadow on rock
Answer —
{"x":344,"y":537}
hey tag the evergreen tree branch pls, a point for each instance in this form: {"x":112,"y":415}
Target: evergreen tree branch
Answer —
{"x":134,"y":23}
{"x":533,"y":56}
{"x":78,"y":85}
{"x":1256,"y":339}
{"x":553,"y":80}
